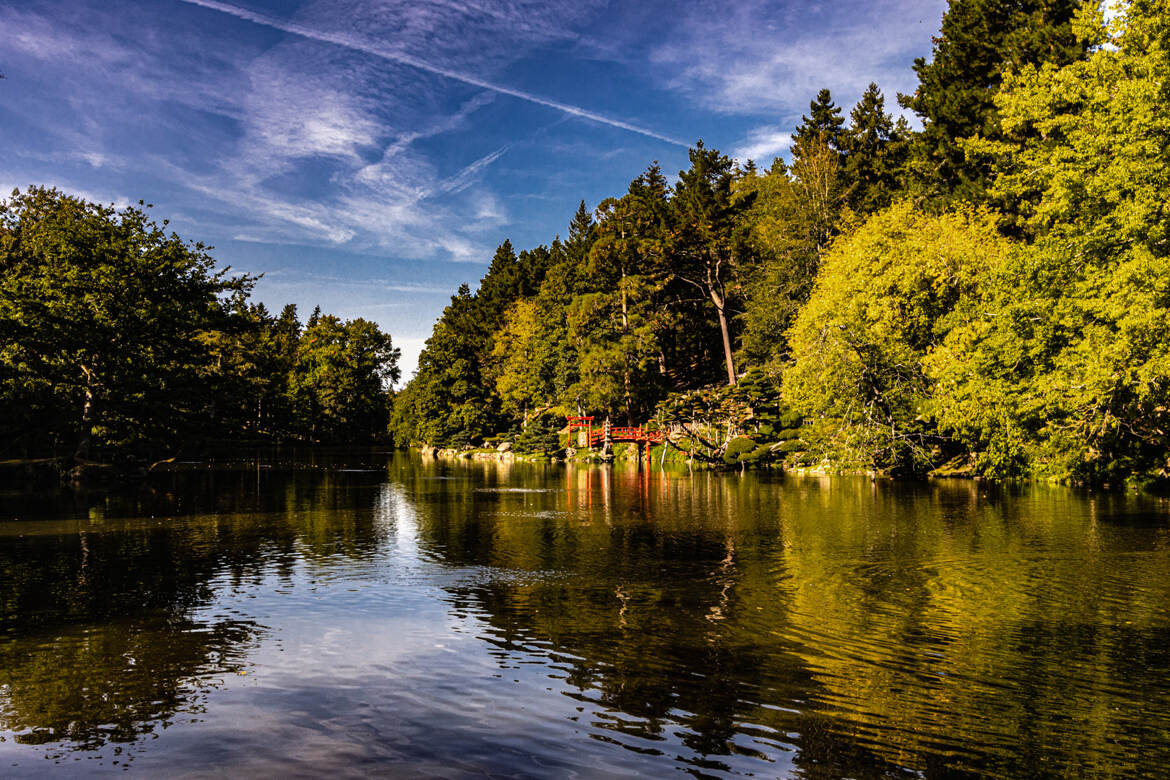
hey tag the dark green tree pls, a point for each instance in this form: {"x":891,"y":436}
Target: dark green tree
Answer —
{"x":452,"y":393}
{"x":822,"y":125}
{"x":539,"y":437}
{"x":536,"y":360}
{"x":102,"y":318}
{"x":980,"y":40}
{"x":704,"y":251}
{"x":242,"y":369}
{"x":501,"y":285}
{"x":283,"y":337}
{"x":875,"y":153}
{"x":448,"y":395}
{"x":615,"y":323}
{"x":581,"y":234}
{"x":340,"y":381}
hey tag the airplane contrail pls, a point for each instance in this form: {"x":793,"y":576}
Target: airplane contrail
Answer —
{"x":404,"y":59}
{"x":463,"y":178}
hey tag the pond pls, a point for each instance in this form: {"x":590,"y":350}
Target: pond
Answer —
{"x":357,"y":613}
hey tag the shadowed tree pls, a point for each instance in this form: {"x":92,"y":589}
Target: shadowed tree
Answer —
{"x":704,"y":252}
{"x":875,"y":153}
{"x":101,"y":318}
{"x":980,"y":40}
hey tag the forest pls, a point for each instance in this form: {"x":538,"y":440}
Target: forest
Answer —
{"x":121,"y":343}
{"x":987,"y":294}
{"x":984,"y":292}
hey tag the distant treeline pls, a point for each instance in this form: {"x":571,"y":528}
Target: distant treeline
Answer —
{"x":991,"y":291}
{"x":119,"y":340}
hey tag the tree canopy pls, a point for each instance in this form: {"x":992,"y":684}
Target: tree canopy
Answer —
{"x":992,"y":290}
{"x":118,"y":337}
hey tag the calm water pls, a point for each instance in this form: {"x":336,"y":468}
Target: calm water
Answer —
{"x":371,"y":614}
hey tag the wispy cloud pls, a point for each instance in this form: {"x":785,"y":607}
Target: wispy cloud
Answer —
{"x":294,"y":121}
{"x":367,"y":47}
{"x":464,"y":178}
{"x":292,"y":277}
{"x":763,"y":144}
{"x":762,"y":56}
{"x":325,"y":145}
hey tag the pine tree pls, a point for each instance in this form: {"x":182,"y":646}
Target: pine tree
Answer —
{"x":874,"y":153}
{"x":980,"y":40}
{"x":614,"y":321}
{"x":703,"y":242}
{"x":500,"y":285}
{"x":822,"y":126}
{"x":580,"y":229}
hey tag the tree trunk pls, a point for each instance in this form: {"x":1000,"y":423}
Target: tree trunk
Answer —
{"x":625,"y":355}
{"x":625,"y":305}
{"x":726,"y":344}
{"x":629,"y":397}
{"x":720,"y":301}
{"x":87,"y":414}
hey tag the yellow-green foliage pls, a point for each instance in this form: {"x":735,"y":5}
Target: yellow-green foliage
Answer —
{"x":882,"y":300}
{"x":514,"y":352}
{"x":1064,"y":364}
{"x":739,"y":449}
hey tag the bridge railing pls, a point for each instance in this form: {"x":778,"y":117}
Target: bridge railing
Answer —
{"x":625,"y":434}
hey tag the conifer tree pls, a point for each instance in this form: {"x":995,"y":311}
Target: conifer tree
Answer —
{"x":980,"y":40}
{"x":500,"y":285}
{"x":874,"y":153}
{"x":822,"y":126}
{"x":703,"y":246}
{"x":616,"y":323}
{"x":581,"y":230}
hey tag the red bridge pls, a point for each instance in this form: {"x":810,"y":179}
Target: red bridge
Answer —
{"x":597,"y":437}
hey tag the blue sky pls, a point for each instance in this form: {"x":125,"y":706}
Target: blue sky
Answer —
{"x":369,"y":155}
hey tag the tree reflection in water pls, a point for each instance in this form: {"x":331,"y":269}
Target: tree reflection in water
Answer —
{"x":109,"y":629}
{"x":866,"y":630}
{"x":508,"y":617}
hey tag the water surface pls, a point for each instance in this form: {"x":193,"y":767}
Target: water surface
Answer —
{"x":368,"y":613}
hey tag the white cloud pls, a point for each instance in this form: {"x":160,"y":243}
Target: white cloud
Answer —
{"x":301,"y":106}
{"x":396,"y":53}
{"x":758,"y":56}
{"x":488,"y":210}
{"x":462,"y":250}
{"x":304,"y":120}
{"x":327,"y":144}
{"x":95,"y":159}
{"x":45,"y":40}
{"x":763,"y":144}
